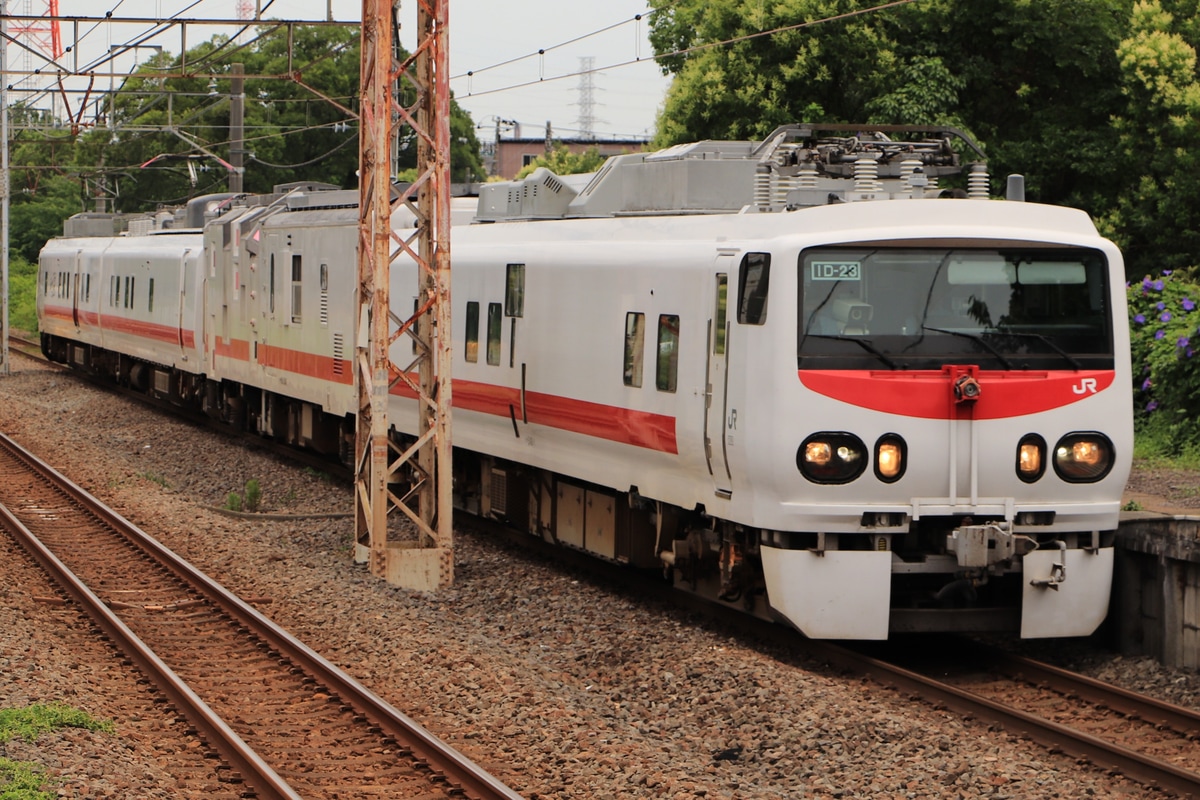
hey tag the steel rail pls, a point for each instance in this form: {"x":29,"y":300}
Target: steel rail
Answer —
{"x":1143,"y":768}
{"x":460,"y":771}
{"x":217,"y":734}
{"x":1139,"y":706}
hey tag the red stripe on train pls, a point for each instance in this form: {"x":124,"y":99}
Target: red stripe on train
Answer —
{"x":930,"y":395}
{"x":616,"y":424}
{"x":132,"y":327}
{"x":325,"y":368}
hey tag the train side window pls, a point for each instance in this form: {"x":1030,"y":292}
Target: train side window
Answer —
{"x":667,"y":373}
{"x":271,"y":286}
{"x":114,"y":289}
{"x":297,"y":284}
{"x":721,"y":315}
{"x":471,"y":351}
{"x":494,"y":322}
{"x":87,"y":288}
{"x":635,"y":347}
{"x":151,"y":293}
{"x":324,"y":277}
{"x":514,"y":296}
{"x":753,"y":278}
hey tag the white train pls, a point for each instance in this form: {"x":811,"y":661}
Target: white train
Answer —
{"x":793,"y":374}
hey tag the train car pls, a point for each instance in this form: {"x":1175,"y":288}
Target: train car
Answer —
{"x":129,"y":305}
{"x":794,"y":375}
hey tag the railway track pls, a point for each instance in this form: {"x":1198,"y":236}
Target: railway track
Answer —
{"x":286,"y":722}
{"x":1147,"y":740}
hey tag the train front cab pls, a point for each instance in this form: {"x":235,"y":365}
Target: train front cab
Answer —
{"x":1010,"y":425}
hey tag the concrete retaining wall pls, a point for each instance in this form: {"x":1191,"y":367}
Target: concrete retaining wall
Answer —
{"x":1156,"y":589}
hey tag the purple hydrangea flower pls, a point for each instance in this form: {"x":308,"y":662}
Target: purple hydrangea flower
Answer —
{"x":1188,"y":305}
{"x":1158,"y":286}
{"x":1146,"y":282}
{"x":1160,"y":306}
{"x":1183,"y":342}
{"x":1159,"y":334}
{"x":1146,"y":384}
{"x":1167,"y":272}
{"x":1140,"y":319}
{"x":1166,"y":316}
{"x":1153,"y":404}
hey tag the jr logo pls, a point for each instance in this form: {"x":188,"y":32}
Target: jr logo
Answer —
{"x":1085,"y":386}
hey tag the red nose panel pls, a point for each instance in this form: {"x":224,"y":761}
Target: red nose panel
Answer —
{"x":931,"y":395}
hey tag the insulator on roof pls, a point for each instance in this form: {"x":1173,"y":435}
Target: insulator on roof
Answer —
{"x":866,"y":174}
{"x":978,"y":182}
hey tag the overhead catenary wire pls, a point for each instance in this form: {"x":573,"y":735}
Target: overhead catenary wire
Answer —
{"x":681,"y":52}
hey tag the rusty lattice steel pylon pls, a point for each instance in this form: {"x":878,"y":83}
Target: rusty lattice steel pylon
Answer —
{"x":422,"y":466}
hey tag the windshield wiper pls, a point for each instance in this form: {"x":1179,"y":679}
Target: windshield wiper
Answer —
{"x":1046,"y":340}
{"x":861,"y":342}
{"x":975,"y":337}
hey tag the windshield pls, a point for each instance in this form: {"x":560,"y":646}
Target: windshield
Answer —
{"x":1000,"y":308}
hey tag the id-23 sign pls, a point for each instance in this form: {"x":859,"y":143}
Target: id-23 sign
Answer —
{"x":836,"y":270}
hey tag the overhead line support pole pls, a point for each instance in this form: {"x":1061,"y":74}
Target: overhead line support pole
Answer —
{"x":421,"y":471}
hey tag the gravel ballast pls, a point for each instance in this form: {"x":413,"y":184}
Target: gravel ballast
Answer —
{"x":559,"y":686}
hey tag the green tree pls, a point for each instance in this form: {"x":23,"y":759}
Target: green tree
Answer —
{"x":166,"y":139}
{"x":1034,"y":82}
{"x":1155,"y":214}
{"x":36,"y":216}
{"x":561,"y":161}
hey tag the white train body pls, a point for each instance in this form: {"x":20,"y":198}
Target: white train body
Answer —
{"x":881,"y":415}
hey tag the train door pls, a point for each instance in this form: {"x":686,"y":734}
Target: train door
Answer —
{"x":183,"y":300}
{"x":78,"y":281}
{"x":716,"y":382}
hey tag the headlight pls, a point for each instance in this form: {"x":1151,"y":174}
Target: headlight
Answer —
{"x":1083,"y":457}
{"x":890,"y":461}
{"x":1031,"y":457}
{"x":831,"y":457}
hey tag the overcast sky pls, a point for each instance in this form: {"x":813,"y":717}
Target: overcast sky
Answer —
{"x":483,"y":34}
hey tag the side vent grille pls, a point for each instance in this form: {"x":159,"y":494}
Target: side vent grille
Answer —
{"x":324,"y":310}
{"x":339,"y":354}
{"x":499,"y":493}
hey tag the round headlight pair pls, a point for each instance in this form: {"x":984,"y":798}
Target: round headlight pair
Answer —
{"x":840,"y":457}
{"x":1080,"y":457}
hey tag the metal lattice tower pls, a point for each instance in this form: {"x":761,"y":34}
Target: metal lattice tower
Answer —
{"x":245,"y":13}
{"x":586,"y":122}
{"x":413,"y":478}
{"x":36,"y":35}
{"x":39,"y":35}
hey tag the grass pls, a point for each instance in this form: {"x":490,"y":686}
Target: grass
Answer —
{"x":321,"y":476}
{"x":248,"y":502}
{"x":21,"y":780}
{"x":154,"y":477}
{"x":26,"y":723}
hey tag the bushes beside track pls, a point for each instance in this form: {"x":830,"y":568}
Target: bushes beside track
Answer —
{"x":1164,"y":331}
{"x":22,"y":295}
